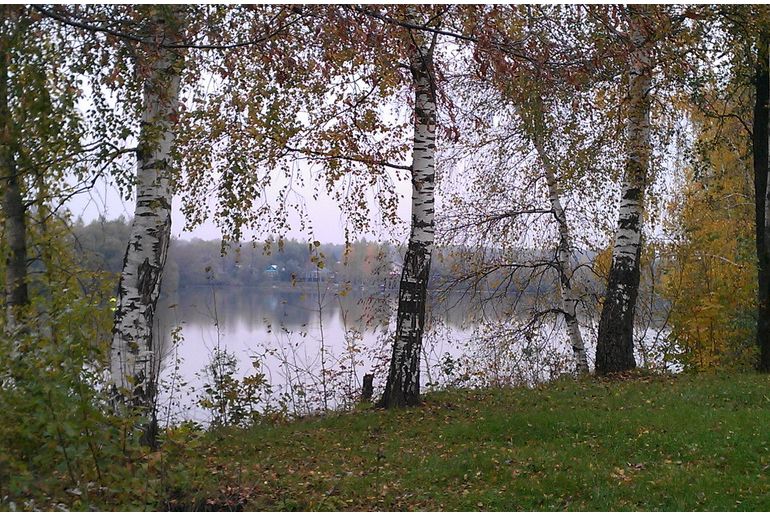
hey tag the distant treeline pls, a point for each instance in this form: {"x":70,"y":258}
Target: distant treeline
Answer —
{"x":205,"y":262}
{"x":371,"y":264}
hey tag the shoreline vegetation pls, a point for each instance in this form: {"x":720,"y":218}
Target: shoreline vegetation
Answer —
{"x":639,"y":441}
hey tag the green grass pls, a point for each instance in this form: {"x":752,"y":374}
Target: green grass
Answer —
{"x":645,"y":443}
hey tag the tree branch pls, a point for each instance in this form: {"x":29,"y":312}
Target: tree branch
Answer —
{"x":413,"y":26}
{"x":138,"y":39}
{"x":328,"y":157}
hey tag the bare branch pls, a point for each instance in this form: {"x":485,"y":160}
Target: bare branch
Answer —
{"x":138,"y":39}
{"x":329,"y":157}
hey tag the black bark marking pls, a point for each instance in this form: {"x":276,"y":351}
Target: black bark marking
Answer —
{"x":615,"y":343}
{"x":630,"y":222}
{"x":403,"y":384}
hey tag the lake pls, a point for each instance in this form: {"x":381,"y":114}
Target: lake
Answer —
{"x":313,"y":345}
{"x":296,"y":334}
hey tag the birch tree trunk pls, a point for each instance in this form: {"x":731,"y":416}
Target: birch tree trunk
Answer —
{"x":403,"y":384}
{"x":14,"y":210}
{"x":615,"y":344}
{"x":569,"y":298}
{"x":134,"y":363}
{"x":15,"y":229}
{"x":762,"y":205}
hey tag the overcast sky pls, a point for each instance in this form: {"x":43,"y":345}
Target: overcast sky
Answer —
{"x":328,"y":222}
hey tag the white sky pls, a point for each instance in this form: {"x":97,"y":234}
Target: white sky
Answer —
{"x":328,"y":222}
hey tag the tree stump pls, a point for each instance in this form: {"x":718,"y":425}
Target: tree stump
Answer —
{"x":368,"y":389}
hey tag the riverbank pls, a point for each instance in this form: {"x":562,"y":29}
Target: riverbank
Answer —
{"x":648,"y":443}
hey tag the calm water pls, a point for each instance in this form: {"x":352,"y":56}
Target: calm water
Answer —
{"x":296,"y":334}
{"x":314,"y":345}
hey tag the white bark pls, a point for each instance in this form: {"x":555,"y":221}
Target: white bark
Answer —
{"x":403,"y":384}
{"x":569,"y":298}
{"x":614,"y":350}
{"x":423,"y":163}
{"x":628,"y":235}
{"x":134,"y":363}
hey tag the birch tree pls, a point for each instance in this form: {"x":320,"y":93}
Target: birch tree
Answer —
{"x":140,"y":57}
{"x":542,"y":142}
{"x":134,"y":362}
{"x":15,"y":232}
{"x":329,"y":111}
{"x":615,"y":344}
{"x":569,"y":297}
{"x":403,"y":383}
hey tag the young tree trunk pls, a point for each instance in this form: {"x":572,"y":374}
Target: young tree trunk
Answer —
{"x":403,"y":384}
{"x":615,"y":344}
{"x":569,"y":298}
{"x":134,"y":364}
{"x":14,"y":209}
{"x":16,"y":293}
{"x":762,"y":217}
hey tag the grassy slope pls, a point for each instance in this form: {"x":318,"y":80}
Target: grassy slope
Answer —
{"x":687,"y":443}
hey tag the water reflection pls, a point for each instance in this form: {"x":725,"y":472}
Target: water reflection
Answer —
{"x":315,"y":343}
{"x":295,"y":308}
{"x":297,"y":334}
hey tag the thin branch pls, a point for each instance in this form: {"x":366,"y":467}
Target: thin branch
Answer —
{"x":413,"y":26}
{"x":138,"y":39}
{"x":700,"y":256}
{"x":498,"y":217}
{"x":81,"y":25}
{"x":327,"y":156}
